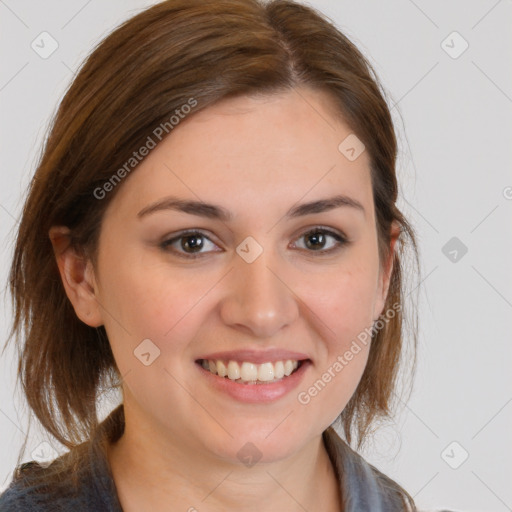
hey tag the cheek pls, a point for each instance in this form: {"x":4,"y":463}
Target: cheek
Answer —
{"x":343,"y":301}
{"x":142,"y":300}
{"x":343,"y":298}
{"x":153,"y":318}
{"x":346,"y":311}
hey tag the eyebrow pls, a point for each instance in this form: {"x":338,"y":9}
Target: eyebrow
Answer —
{"x":212,"y":211}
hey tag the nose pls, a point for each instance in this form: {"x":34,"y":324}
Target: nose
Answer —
{"x":258,"y":298}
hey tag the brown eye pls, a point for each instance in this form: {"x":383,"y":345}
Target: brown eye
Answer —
{"x":192,"y":242}
{"x":187,"y":244}
{"x":317,"y":239}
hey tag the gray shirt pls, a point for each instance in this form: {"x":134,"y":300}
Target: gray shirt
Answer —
{"x":363,"y":487}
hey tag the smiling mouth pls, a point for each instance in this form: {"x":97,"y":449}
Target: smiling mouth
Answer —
{"x":251,"y":373}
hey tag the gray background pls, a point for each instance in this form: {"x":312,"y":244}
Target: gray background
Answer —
{"x":453,"y":115}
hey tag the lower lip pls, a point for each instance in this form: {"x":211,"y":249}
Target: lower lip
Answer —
{"x":256,"y":393}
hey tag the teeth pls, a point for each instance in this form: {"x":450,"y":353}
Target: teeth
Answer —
{"x":233,"y":370}
{"x":288,"y":367}
{"x":222,"y":371}
{"x":279,"y":369}
{"x":250,"y":372}
{"x":266,"y":372}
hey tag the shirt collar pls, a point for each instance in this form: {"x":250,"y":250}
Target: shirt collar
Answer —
{"x":363,"y":487}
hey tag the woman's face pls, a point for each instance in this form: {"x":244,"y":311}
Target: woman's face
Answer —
{"x":249,"y":287}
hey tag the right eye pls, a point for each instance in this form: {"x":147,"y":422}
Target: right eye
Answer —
{"x":190,"y":244}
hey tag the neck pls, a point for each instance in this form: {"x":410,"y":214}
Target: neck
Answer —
{"x":154,"y":474}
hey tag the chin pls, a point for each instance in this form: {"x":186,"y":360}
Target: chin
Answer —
{"x":250,"y":446}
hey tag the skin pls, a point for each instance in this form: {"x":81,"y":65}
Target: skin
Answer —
{"x":181,"y":438}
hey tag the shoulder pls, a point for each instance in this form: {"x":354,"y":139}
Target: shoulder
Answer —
{"x":13,"y":498}
{"x":24,"y":494}
{"x":59,"y":487}
{"x":21,"y":495}
{"x":395,"y":488}
{"x":79,"y":480}
{"x":365,"y":487}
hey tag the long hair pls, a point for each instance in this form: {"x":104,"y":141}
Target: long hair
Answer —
{"x":136,"y":79}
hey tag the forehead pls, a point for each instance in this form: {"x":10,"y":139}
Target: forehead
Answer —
{"x":251,"y":152}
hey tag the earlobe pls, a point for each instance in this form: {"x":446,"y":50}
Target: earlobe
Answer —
{"x":77,"y":277}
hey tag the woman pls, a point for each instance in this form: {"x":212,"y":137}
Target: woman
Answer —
{"x":212,"y":229}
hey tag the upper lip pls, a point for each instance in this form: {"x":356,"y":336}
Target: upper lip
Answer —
{"x":256,"y":356}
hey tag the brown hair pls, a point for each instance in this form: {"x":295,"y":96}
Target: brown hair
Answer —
{"x":134,"y":81}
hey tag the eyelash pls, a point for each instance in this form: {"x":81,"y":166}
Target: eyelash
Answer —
{"x":342,"y":241}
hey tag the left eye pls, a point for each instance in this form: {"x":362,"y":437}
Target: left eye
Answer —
{"x":318,"y":236}
{"x":191,"y":242}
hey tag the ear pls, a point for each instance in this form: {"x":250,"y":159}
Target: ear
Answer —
{"x":77,"y":277}
{"x":385,"y":272}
